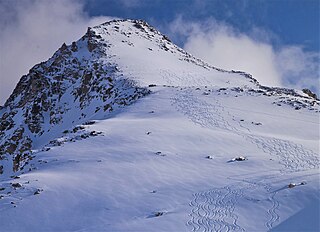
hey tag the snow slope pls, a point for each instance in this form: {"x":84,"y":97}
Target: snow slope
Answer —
{"x":111,"y":66}
{"x":166,"y":162}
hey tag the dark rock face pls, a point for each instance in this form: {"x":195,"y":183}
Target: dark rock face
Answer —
{"x":18,"y":146}
{"x":74,"y":79}
{"x":310,"y":93}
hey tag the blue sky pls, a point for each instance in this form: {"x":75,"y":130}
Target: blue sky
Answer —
{"x":290,"y":21}
{"x":277,"y":41}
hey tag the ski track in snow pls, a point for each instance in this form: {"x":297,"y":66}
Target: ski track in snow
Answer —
{"x":272,"y":212}
{"x":200,"y":112}
{"x":293,"y":157}
{"x":214,"y":210}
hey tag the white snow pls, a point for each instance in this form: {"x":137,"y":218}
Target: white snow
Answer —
{"x":106,"y":182}
{"x":149,"y":171}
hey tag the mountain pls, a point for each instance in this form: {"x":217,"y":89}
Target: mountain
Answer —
{"x":123,"y":130}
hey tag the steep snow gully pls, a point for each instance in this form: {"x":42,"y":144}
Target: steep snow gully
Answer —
{"x":124,"y":131}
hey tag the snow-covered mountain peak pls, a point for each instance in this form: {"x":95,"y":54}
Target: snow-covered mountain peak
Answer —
{"x":145,"y":130}
{"x":142,"y":52}
{"x":111,"y":66}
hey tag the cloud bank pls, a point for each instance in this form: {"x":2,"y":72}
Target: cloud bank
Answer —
{"x":32,"y":30}
{"x":223,"y":46}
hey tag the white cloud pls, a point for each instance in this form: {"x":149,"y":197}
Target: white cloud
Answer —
{"x":223,"y":46}
{"x":299,"y":69}
{"x":32,"y":30}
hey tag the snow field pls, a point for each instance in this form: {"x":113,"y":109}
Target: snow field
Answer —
{"x":121,"y":180}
